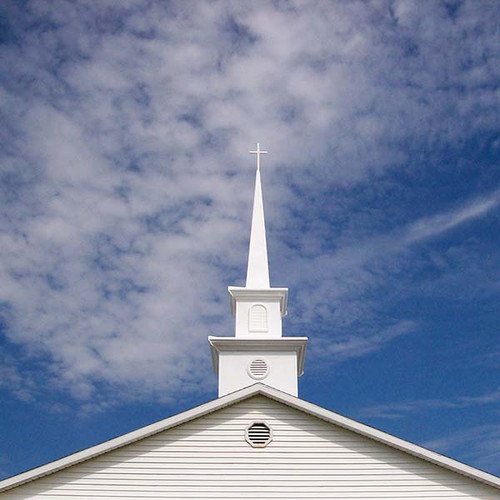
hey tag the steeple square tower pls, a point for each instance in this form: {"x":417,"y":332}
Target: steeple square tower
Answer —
{"x":258,"y":313}
{"x":258,"y":352}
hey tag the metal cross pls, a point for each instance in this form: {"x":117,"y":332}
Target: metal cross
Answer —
{"x":258,"y":152}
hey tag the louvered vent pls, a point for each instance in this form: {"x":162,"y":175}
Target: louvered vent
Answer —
{"x":257,"y":319}
{"x":258,"y":434}
{"x":258,"y":369}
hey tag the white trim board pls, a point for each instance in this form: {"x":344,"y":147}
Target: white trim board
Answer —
{"x":221,"y":344}
{"x":235,"y":397}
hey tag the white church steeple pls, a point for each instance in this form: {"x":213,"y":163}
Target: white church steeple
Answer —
{"x":258,"y":268}
{"x":258,"y":352}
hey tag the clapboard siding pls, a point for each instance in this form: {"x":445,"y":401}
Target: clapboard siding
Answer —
{"x":209,"y":458}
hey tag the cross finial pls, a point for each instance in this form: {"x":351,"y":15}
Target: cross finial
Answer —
{"x":258,"y":152}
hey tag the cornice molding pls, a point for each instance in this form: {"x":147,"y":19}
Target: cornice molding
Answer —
{"x":243,"y":294}
{"x":280,"y":344}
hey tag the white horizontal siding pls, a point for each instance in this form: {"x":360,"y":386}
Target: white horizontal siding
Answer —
{"x":209,"y":458}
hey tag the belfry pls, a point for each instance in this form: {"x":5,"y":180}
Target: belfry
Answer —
{"x":258,"y":352}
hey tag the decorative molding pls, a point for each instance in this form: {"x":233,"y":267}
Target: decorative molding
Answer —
{"x":286,"y":344}
{"x":255,"y":295}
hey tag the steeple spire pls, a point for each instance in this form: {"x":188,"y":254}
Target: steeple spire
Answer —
{"x":258,"y":268}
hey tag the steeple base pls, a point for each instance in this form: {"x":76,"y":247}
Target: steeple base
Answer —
{"x":242,"y":362}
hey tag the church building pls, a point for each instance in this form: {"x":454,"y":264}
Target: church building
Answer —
{"x":258,"y":439}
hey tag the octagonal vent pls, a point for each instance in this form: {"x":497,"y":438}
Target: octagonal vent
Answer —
{"x":258,"y":369}
{"x":258,"y":434}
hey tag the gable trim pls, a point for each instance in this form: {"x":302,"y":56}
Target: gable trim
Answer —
{"x":383,"y":437}
{"x":126,"y":439}
{"x":233,"y":398}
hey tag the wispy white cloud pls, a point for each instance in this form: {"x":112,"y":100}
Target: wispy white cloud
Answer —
{"x":490,"y":359}
{"x":406,"y":408}
{"x":341,"y":285}
{"x":353,"y":346}
{"x":123,"y":219}
{"x":438,"y":224}
{"x":480,"y":445}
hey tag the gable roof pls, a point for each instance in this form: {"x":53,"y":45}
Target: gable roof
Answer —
{"x":233,"y":398}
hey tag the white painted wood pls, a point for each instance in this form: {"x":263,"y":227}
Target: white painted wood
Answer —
{"x":232,"y":356}
{"x":208,"y":457}
{"x":258,"y":269}
{"x":257,"y":319}
{"x":212,"y":407}
{"x":258,"y":311}
{"x":234,"y":373}
{"x":246,"y":302}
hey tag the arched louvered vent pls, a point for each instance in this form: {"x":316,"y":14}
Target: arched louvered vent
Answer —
{"x":258,"y":434}
{"x":258,"y":369}
{"x":257,"y":318}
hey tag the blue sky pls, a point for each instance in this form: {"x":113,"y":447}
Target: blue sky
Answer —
{"x":126,"y":192}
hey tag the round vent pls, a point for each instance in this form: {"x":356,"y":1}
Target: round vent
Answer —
{"x":258,"y":434}
{"x":258,"y":369}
